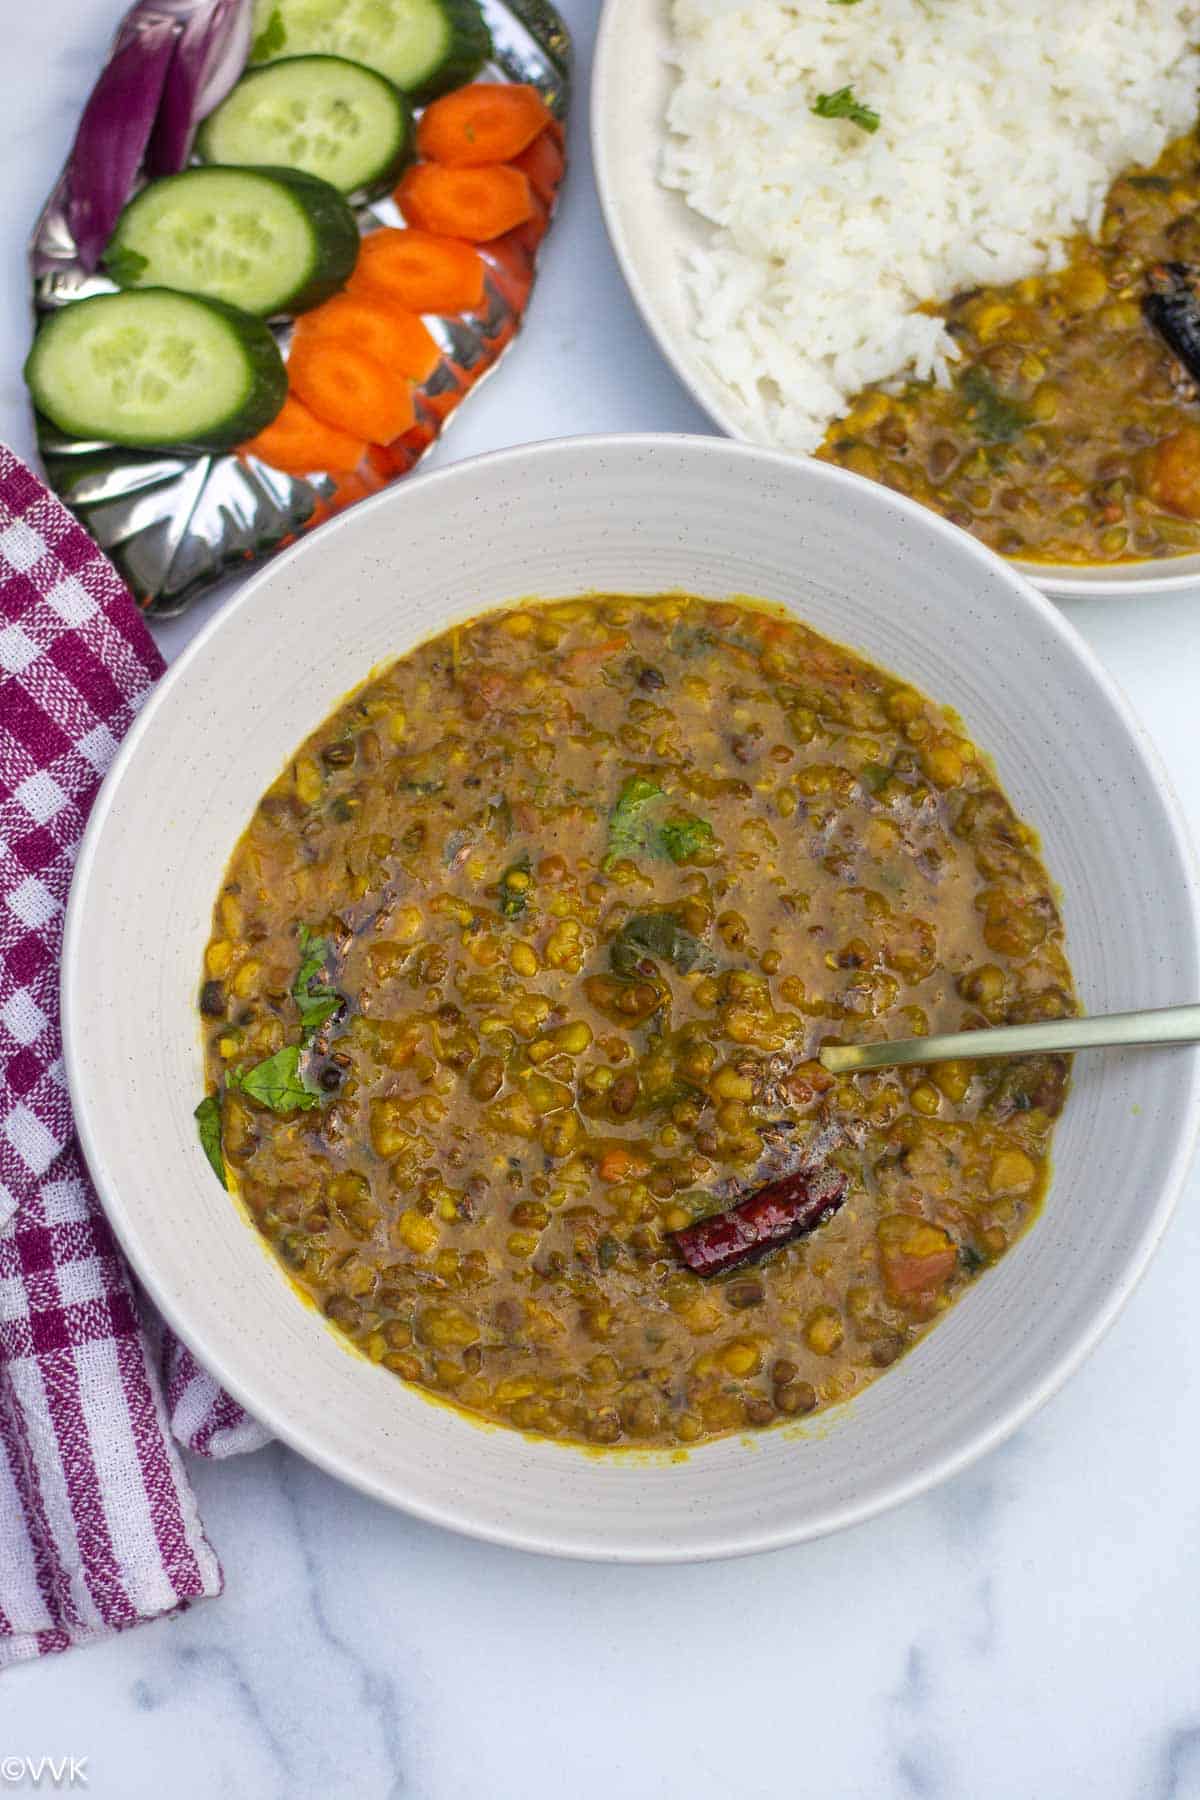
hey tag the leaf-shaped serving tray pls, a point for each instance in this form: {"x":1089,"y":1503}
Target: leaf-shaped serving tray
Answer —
{"x":174,"y":524}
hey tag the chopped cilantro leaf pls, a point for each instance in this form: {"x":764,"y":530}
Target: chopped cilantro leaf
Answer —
{"x":843,"y":105}
{"x":992,"y":417}
{"x":270,"y":40}
{"x":314,"y":1007}
{"x":683,"y":836}
{"x":514,"y":888}
{"x":627,"y":827}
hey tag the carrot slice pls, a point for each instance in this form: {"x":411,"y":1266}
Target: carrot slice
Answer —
{"x":617,"y":1164}
{"x":476,"y":204}
{"x":915,"y":1257}
{"x":299,"y":443}
{"x":417,"y":270}
{"x":350,"y":388}
{"x":483,"y":123}
{"x":390,"y":333}
{"x":543,"y":162}
{"x":578,"y":662}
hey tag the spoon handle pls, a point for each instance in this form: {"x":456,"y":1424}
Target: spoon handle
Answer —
{"x":1164,"y":1025}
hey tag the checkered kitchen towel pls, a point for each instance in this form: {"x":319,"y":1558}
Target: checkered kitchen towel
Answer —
{"x":98,"y":1526}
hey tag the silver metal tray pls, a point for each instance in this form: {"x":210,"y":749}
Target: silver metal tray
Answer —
{"x":173,"y":524}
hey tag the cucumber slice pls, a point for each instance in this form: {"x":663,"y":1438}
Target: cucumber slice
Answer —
{"x":319,"y":114}
{"x":425,"y":46}
{"x":156,"y":370}
{"x":265,"y":240}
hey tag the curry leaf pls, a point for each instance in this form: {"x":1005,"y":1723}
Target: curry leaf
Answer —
{"x":658,"y":934}
{"x":843,"y":105}
{"x":314,"y":1008}
{"x":627,"y":827}
{"x":208,"y":1123}
{"x":279,"y":1083}
{"x":683,"y":836}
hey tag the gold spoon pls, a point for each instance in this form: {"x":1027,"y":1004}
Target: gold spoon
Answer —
{"x":1163,"y":1025}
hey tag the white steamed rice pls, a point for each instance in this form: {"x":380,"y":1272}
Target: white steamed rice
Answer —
{"x":1003,"y":123}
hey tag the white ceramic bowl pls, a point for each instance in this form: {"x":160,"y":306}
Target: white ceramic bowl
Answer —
{"x":652,"y":229}
{"x":638,"y":514}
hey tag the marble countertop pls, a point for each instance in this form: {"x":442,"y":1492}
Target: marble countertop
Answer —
{"x":1026,"y":1632}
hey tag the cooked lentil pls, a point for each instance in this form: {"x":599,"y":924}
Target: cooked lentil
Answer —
{"x":522,"y":965}
{"x":1070,"y":434}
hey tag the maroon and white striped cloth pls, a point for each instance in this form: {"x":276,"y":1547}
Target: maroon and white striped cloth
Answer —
{"x":98,"y":1526}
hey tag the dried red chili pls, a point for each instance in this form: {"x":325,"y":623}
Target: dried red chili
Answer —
{"x":783,"y":1210}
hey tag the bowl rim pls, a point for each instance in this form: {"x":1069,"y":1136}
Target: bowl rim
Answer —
{"x":1065,"y":581}
{"x":888,"y":1491}
{"x":1058,"y":581}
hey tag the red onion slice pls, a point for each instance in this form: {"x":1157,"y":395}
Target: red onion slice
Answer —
{"x":171,"y":63}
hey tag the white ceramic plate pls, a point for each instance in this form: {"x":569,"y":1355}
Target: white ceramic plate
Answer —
{"x":652,"y":229}
{"x":629,"y":515}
